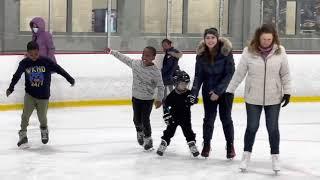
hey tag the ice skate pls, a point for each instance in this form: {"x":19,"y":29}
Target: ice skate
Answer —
{"x":230,"y":151}
{"x":244,"y":161}
{"x":162,"y":147}
{"x":148,"y":144}
{"x":275,"y":163}
{"x":44,"y":135}
{"x":206,"y":150}
{"x":193,"y":148}
{"x":140,"y":136}
{"x":23,"y":140}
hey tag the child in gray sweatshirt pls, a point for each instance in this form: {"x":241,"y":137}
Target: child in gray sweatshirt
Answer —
{"x":146,"y":78}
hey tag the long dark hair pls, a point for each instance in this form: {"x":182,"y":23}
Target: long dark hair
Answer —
{"x":211,"y":55}
{"x":255,"y":42}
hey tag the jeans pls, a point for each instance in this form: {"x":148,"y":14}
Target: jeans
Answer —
{"x":253,"y":119}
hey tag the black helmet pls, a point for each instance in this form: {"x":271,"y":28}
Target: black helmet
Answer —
{"x":181,"y":76}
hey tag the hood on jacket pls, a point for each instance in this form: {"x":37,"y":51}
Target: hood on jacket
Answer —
{"x":225,"y":49}
{"x":39,"y":22}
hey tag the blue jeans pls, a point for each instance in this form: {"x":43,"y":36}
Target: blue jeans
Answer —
{"x":272,"y":122}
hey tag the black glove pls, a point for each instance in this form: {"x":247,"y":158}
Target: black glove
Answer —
{"x":8,"y":92}
{"x":167,"y":117}
{"x":285,"y":99}
{"x":192,"y":99}
{"x":72,"y":82}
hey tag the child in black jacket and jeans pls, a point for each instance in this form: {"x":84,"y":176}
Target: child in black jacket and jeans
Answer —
{"x":178,"y":113}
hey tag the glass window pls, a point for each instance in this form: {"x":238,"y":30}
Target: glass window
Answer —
{"x":176,"y":10}
{"x":154,"y":16}
{"x":287,"y":15}
{"x":309,"y":15}
{"x":209,"y":16}
{"x":31,"y":8}
{"x":287,"y":24}
{"x":91,"y":16}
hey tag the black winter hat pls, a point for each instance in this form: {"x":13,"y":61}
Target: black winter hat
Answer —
{"x":212,"y":31}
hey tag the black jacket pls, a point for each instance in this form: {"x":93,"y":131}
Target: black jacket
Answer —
{"x":216,"y":76}
{"x":169,"y":67}
{"x":178,"y":105}
{"x":38,"y":76}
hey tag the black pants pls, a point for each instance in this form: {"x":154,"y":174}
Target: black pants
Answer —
{"x":185,"y":125}
{"x":225,"y":102}
{"x":141,"y":115}
{"x":253,"y":119}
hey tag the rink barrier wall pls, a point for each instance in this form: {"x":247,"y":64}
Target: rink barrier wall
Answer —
{"x":121,"y":102}
{"x":102,"y":80}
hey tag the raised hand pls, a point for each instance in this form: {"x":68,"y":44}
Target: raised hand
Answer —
{"x":107,"y":50}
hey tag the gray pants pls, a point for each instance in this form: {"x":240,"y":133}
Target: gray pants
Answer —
{"x":31,"y":103}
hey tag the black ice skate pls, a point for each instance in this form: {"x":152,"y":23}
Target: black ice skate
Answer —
{"x":230,"y":151}
{"x":206,"y":150}
{"x":140,"y":135}
{"x":44,"y":135}
{"x":162,"y":147}
{"x":193,"y":148}
{"x":148,"y":144}
{"x":23,"y":139}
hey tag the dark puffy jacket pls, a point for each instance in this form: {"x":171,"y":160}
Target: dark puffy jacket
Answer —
{"x":169,"y":67}
{"x":216,"y":76}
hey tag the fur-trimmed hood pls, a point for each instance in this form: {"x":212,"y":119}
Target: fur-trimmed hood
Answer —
{"x":224,"y":42}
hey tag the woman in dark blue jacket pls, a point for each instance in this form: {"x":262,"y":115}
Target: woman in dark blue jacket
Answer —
{"x":214,"y":70}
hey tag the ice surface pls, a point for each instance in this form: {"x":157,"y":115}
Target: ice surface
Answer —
{"x":100,"y":143}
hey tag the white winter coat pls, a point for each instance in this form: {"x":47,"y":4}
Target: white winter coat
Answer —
{"x":267,"y":79}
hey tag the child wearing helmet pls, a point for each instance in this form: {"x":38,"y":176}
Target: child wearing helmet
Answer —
{"x":177,"y":113}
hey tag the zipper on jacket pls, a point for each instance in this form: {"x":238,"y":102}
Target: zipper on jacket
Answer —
{"x":264,"y":82}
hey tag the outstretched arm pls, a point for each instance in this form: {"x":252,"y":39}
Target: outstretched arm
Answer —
{"x":58,"y":69}
{"x":123,"y":58}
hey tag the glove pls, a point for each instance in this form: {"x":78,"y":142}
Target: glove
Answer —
{"x":8,"y":92}
{"x":72,"y":82}
{"x":167,"y":117}
{"x":192,"y":99}
{"x":285,"y":99}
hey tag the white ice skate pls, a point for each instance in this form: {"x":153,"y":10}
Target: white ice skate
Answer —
{"x":275,"y":163}
{"x":245,"y":161}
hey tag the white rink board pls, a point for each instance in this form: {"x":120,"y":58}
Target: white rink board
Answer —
{"x":101,"y":76}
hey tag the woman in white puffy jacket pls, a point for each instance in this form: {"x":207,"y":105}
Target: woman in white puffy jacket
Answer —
{"x":264,"y":63}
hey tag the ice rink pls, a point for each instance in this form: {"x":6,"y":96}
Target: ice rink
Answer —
{"x":100,"y":143}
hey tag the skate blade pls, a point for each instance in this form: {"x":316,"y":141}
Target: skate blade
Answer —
{"x":24,"y":146}
{"x":148,"y":150}
{"x":243,"y":170}
{"x":276,"y":172}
